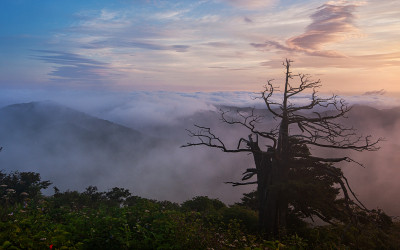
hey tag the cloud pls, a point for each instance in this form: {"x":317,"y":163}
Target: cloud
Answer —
{"x":73,"y":67}
{"x":330,"y":24}
{"x":275,"y":44}
{"x":141,"y":107}
{"x":65,"y":58}
{"x":247,"y":20}
{"x":251,"y":4}
{"x":162,"y":107}
{"x":200,"y":171}
{"x":92,"y":21}
{"x":123,"y":43}
{"x":173,"y":15}
{"x":371,"y":61}
{"x":218,"y":44}
{"x":375,"y":92}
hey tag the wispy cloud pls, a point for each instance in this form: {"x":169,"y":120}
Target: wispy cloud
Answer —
{"x":251,"y":4}
{"x":375,"y":92}
{"x":247,"y":20}
{"x":173,"y":15}
{"x":73,"y":67}
{"x":118,"y":43}
{"x":218,"y":44}
{"x":91,"y":22}
{"x":330,"y":24}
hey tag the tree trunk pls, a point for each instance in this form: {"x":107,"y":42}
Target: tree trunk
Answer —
{"x":264,"y":169}
{"x":267,"y":178}
{"x":282,"y":161}
{"x":272,"y":175}
{"x":272,"y":202}
{"x":282,"y":174}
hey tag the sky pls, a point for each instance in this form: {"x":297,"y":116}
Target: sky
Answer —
{"x":198,"y":46}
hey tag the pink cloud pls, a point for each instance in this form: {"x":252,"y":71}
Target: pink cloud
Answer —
{"x":330,"y":23}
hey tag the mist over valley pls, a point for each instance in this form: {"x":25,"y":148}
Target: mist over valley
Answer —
{"x":76,"y":149}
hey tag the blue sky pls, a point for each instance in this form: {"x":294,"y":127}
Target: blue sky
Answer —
{"x":209,"y":45}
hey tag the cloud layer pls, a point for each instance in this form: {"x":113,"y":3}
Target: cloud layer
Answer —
{"x":166,"y":171}
{"x":145,"y":108}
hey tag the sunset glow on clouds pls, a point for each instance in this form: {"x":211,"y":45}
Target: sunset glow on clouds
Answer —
{"x":209,"y":45}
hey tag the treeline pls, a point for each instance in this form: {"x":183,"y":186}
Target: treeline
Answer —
{"x":116,"y":219}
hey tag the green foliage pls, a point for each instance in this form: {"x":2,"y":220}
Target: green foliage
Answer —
{"x":117,"y":220}
{"x":117,"y":196}
{"x":18,"y":187}
{"x":248,"y":218}
{"x":202,"y":204}
{"x":249,"y":200}
{"x":144,"y":225}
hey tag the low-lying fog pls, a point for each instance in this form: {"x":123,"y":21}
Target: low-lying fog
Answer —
{"x":75,"y":150}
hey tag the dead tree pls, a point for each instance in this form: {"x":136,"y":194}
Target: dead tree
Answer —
{"x":299,"y":127}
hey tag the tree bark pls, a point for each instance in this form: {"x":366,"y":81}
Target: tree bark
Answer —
{"x":271,"y":195}
{"x":264,"y":176}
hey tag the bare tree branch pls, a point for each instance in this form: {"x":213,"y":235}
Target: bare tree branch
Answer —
{"x":207,"y":138}
{"x":241,"y":183}
{"x":250,"y":121}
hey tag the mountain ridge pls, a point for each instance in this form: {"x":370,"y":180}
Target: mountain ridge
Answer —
{"x":58,"y":141}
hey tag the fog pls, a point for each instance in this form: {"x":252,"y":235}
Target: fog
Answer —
{"x":133,"y":140}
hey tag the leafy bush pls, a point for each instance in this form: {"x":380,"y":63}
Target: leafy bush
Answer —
{"x":118,"y":220}
{"x":202,"y":204}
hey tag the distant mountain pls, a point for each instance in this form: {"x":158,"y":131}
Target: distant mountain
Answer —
{"x":61,"y":142}
{"x":41,"y":117}
{"x":370,"y":117}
